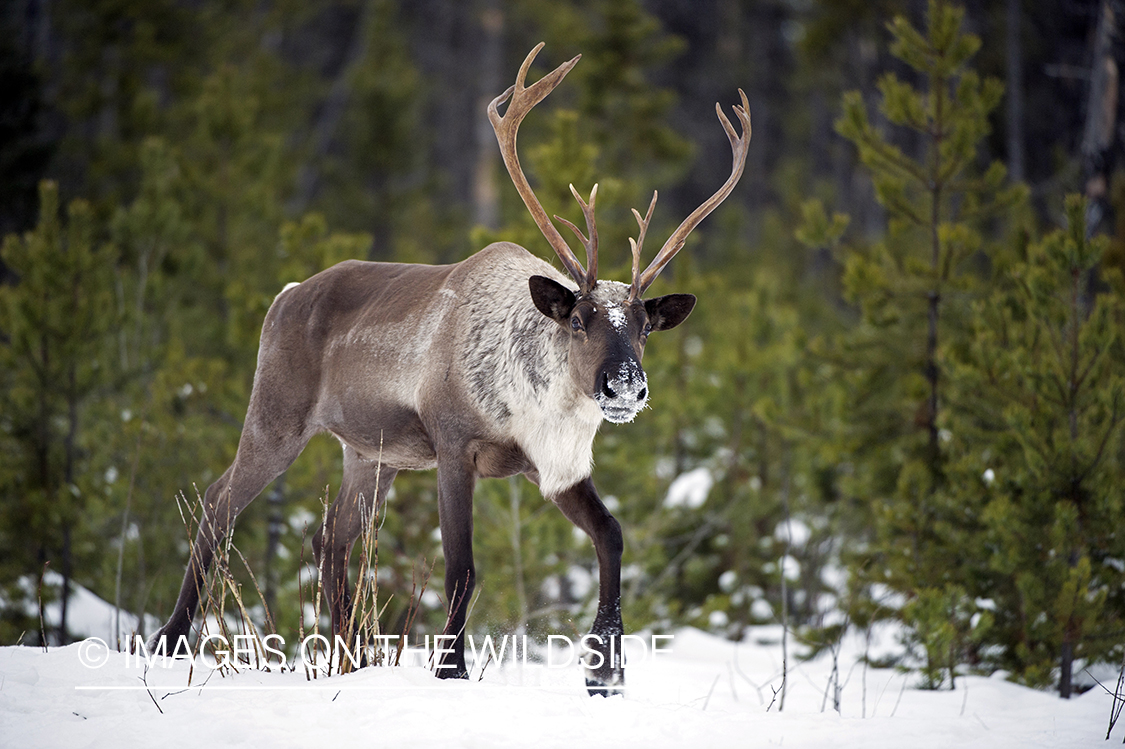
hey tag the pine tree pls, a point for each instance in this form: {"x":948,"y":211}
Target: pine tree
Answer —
{"x":55,"y":356}
{"x":910,"y":289}
{"x":186,"y":350}
{"x":1042,"y":402}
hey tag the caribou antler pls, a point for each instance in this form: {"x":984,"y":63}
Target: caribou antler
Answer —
{"x":635,"y":290}
{"x":739,"y":146}
{"x":523,"y":99}
{"x":591,"y":242}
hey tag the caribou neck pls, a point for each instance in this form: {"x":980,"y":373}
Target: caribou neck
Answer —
{"x":515,"y":366}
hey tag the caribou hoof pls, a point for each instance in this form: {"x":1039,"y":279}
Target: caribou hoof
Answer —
{"x":599,"y":688}
{"x":175,"y":643}
{"x":451,"y":673}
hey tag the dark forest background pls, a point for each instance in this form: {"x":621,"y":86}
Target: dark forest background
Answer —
{"x":900,"y":397}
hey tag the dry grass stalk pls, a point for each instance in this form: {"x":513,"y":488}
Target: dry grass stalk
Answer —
{"x":225,"y":615}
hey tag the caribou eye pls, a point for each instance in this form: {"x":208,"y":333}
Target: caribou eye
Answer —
{"x":575,"y":323}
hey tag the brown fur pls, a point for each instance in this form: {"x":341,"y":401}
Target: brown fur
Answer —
{"x":375,"y":354}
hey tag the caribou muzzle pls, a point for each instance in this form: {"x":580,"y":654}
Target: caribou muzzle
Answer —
{"x":622,"y":391}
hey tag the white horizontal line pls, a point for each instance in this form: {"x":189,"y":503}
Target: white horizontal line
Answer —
{"x":317,"y":687}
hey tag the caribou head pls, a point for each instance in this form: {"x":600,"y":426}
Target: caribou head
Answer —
{"x":608,"y":322}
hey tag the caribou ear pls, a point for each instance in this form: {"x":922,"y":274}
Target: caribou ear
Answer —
{"x":666,"y":312}
{"x":551,"y":298}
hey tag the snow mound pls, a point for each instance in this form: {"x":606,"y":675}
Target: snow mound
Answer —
{"x":690,"y":489}
{"x":87,"y":615}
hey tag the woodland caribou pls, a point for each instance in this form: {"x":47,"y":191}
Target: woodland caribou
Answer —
{"x":490,"y":367}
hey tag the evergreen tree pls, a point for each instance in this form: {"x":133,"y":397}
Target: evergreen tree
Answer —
{"x":54,"y":359}
{"x":1039,"y":428}
{"x":187,"y":350}
{"x":910,"y":289}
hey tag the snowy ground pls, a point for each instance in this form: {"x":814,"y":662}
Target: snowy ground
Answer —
{"x":701,"y":695}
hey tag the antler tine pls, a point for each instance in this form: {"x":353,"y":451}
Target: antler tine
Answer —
{"x":591,"y":242}
{"x":739,"y":147}
{"x":523,"y":99}
{"x":635,"y":290}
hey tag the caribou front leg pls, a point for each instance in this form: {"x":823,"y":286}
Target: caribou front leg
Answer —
{"x":583,"y":507}
{"x":455,"y":514}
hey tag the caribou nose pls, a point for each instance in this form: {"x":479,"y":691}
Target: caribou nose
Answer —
{"x":622,"y":390}
{"x":606,"y":389}
{"x":623,"y":383}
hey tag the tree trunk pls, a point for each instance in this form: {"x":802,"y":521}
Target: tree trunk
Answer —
{"x":331,"y":114}
{"x":486,"y":195}
{"x":1100,"y":133}
{"x":1066,"y":663}
{"x":68,"y":480}
{"x":1014,"y":89}
{"x":784,"y":584}
{"x":67,"y":572}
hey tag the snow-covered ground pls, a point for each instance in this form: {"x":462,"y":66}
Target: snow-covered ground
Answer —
{"x":87,"y":614}
{"x":708,"y":692}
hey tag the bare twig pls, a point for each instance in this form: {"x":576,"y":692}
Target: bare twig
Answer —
{"x":833,"y":679}
{"x":39,"y":597}
{"x":1118,"y":695}
{"x":776,"y":692}
{"x":363,"y":619}
{"x":485,"y":667}
{"x":413,"y":606}
{"x":900,"y":693}
{"x":124,"y":529}
{"x":866,"y":661}
{"x":319,"y":591}
{"x":784,"y":588}
{"x":144,"y":680}
{"x":710,"y":691}
{"x":748,"y":680}
{"x":301,"y":588}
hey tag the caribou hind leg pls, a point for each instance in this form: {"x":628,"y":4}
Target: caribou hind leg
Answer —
{"x":254,"y":467}
{"x":363,"y":491}
{"x":583,"y":507}
{"x":275,"y":432}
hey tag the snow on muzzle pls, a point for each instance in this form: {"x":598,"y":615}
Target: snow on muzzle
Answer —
{"x":622,"y":391}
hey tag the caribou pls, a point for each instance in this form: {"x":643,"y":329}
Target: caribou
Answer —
{"x":494,"y":366}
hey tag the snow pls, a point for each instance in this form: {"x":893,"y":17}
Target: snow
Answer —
{"x":760,"y":609}
{"x":701,"y":690}
{"x":690,"y":489}
{"x":791,"y":568}
{"x":727,"y":581}
{"x":87,"y":615}
{"x":616,"y":316}
{"x":581,"y":581}
{"x":793,"y":530}
{"x":708,"y":692}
